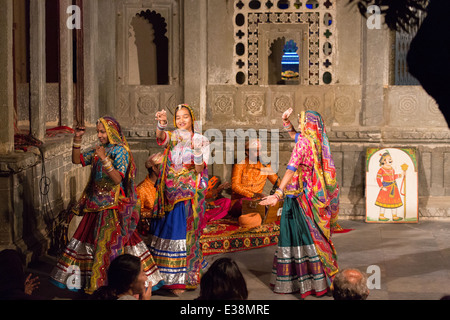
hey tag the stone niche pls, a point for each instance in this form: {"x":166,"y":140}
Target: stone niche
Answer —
{"x":268,"y":36}
{"x":148,"y":55}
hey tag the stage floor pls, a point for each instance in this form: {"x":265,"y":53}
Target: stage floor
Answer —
{"x":413,"y":260}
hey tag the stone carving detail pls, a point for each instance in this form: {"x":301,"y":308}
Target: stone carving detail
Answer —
{"x":312,"y":103}
{"x":170,"y":101}
{"x":147,"y":104}
{"x":254,"y":105}
{"x":224,"y":104}
{"x":253,"y":79}
{"x":344,"y":110}
{"x":433,"y":108}
{"x":124,"y":110}
{"x":282,"y":103}
{"x":407,"y":105}
{"x":343,"y":105}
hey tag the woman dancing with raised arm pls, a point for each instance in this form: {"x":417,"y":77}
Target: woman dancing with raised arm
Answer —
{"x":180,"y":203}
{"x":305,"y":260}
{"x":110,"y":209}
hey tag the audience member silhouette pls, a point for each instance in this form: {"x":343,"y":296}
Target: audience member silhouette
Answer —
{"x":223,"y":281}
{"x":126,"y":280}
{"x":13,"y":283}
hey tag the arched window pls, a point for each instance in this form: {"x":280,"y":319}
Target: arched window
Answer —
{"x":274,"y":61}
{"x":151,"y":49}
{"x":284,"y":62}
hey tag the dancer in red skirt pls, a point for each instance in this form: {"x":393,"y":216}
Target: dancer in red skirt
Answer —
{"x":110,"y":208}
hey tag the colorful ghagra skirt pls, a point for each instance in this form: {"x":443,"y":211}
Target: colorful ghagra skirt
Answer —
{"x":96,"y":242}
{"x":297,"y":266}
{"x":175,"y":246}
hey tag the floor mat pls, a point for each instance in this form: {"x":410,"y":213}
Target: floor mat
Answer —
{"x":225,"y":235}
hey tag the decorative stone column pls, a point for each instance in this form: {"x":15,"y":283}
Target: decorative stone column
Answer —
{"x":106,"y":62}
{"x":195,"y":53}
{"x":375,"y":73}
{"x":90,"y":34}
{"x":6,"y":77}
{"x":66,"y":65}
{"x":38,"y":99}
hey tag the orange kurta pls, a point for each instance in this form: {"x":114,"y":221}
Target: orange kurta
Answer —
{"x":248,"y":179}
{"x":147,"y":193}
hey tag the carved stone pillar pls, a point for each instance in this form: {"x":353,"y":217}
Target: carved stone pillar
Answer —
{"x":195,"y":52}
{"x":6,"y":77}
{"x":375,"y":74}
{"x":66,"y":65}
{"x":90,"y":34}
{"x":38,"y":96}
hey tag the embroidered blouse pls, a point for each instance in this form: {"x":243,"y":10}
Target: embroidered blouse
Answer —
{"x":182,"y":180}
{"x":302,"y":163}
{"x":102,"y":193}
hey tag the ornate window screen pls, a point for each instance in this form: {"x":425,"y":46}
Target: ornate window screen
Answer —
{"x":317,"y":15}
{"x":402,"y":42}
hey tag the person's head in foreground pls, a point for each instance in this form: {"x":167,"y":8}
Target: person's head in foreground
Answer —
{"x":223,"y":281}
{"x":350,"y":284}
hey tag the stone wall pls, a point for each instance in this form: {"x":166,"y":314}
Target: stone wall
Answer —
{"x":35,"y":193}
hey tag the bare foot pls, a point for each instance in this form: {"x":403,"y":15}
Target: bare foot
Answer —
{"x":178,"y":292}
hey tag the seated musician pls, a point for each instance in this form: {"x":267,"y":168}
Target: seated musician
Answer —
{"x":248,"y":179}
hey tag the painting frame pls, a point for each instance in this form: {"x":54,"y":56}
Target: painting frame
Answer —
{"x":392,"y":185}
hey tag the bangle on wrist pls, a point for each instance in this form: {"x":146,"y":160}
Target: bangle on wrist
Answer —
{"x":109,"y":168}
{"x":287,"y":126}
{"x":107,"y":164}
{"x":198,"y":159}
{"x":160,"y":126}
{"x":279,"y":194}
